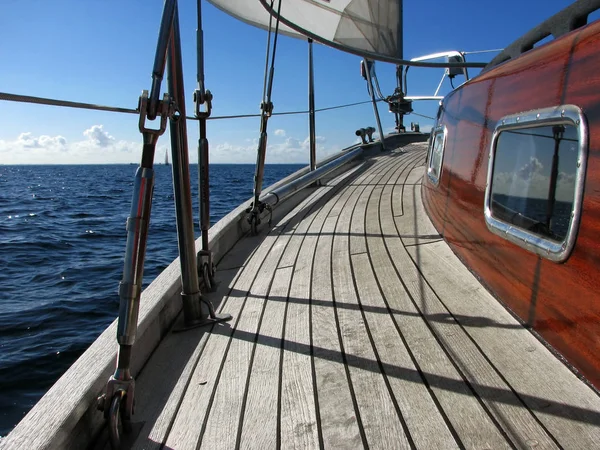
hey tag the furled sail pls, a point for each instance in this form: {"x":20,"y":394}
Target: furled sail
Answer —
{"x":371,"y":28}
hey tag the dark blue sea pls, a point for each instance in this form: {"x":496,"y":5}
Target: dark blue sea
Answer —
{"x":62,"y":242}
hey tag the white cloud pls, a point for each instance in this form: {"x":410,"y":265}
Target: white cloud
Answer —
{"x":280,"y":132}
{"x":27,"y":140}
{"x":291,"y":151}
{"x":98,"y":136}
{"x":531,"y":181}
{"x":98,"y":147}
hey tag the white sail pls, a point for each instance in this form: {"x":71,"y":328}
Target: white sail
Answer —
{"x":371,"y":28}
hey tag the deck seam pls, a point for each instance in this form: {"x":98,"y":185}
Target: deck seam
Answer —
{"x":403,"y":184}
{"x":279,"y":233}
{"x":394,"y":185}
{"x":367,"y":327}
{"x":312,"y":351}
{"x":418,"y":368}
{"x":443,"y":347}
{"x":320,"y":202}
{"x":492,"y":365}
{"x":337,"y":319}
{"x":336,"y":189}
{"x":205,"y":338}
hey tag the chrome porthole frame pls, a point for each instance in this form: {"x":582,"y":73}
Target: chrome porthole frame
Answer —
{"x":560,"y":115}
{"x":441,"y":129}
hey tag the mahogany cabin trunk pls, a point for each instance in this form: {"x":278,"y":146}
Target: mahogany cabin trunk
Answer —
{"x":559,"y":301}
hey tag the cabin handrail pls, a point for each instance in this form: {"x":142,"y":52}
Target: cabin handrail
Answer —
{"x":570,"y":18}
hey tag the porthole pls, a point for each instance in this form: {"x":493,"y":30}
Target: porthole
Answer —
{"x":436,"y":154}
{"x":535,"y":181}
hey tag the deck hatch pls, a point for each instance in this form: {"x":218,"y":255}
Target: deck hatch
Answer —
{"x":535,"y":180}
{"x":436,"y":154}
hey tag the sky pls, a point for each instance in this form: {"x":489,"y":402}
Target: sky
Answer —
{"x":102,"y":51}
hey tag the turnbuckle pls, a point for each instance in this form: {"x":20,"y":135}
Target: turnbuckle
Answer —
{"x":118,"y":401}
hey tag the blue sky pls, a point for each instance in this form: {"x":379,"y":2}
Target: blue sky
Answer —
{"x":102,"y":51}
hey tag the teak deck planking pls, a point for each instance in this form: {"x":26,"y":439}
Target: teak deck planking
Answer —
{"x":354,"y":327}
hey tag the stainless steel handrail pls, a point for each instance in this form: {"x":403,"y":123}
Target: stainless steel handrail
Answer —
{"x":278,"y":195}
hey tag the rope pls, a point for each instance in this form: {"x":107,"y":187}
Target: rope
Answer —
{"x":66,"y":103}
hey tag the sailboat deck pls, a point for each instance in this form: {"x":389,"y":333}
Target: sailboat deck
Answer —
{"x":354,"y":325}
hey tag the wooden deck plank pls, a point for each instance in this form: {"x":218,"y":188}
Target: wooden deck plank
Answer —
{"x":464,"y":412}
{"x":567,"y":408}
{"x":299,"y":427}
{"x":398,"y":186}
{"x":515,"y":422}
{"x":349,"y":332}
{"x":177,"y":355}
{"x":378,"y":416}
{"x":390,"y":344}
{"x":414,"y":226}
{"x":260,"y":422}
{"x":224,"y":415}
{"x":416,"y":175}
{"x":186,"y":429}
{"x":356,"y":173}
{"x":336,"y":409}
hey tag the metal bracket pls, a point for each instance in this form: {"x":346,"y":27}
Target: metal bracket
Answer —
{"x":213,"y":317}
{"x":202,"y":97}
{"x":118,"y":405}
{"x":267,"y":108}
{"x":254,"y":213}
{"x":207,"y":269}
{"x":165,"y":110}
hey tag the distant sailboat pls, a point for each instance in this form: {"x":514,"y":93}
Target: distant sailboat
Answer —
{"x":166,"y":158}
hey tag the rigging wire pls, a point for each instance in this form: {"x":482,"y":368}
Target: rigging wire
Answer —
{"x":267,"y":55}
{"x":423,"y":115}
{"x":71,"y":104}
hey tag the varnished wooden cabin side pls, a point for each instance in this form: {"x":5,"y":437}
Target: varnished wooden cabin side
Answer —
{"x":559,"y":301}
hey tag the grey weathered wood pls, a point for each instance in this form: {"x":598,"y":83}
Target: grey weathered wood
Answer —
{"x":568,"y":408}
{"x":337,"y":414}
{"x":158,"y":396}
{"x":416,"y":175}
{"x":398,"y":185}
{"x":338,"y":417}
{"x":425,"y":423}
{"x":381,"y":424}
{"x":466,"y":415}
{"x":503,"y":406}
{"x":414,"y":226}
{"x":222,"y":424}
{"x":351,"y":273}
{"x":259,"y":428}
{"x":186,"y":430}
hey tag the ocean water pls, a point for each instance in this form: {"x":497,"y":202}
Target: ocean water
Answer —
{"x":62,"y":242}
